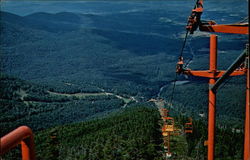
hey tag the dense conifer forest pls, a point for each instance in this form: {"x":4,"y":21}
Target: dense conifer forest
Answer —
{"x":24,"y":103}
{"x":132,"y":133}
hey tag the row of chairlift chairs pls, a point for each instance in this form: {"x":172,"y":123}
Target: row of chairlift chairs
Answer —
{"x":169,"y":129}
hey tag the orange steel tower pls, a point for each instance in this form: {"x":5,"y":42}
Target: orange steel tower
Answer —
{"x":213,"y":73}
{"x":247,"y":117}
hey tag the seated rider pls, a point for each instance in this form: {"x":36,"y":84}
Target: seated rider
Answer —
{"x":179,"y":65}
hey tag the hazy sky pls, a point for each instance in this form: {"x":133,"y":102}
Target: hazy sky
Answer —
{"x":233,"y":7}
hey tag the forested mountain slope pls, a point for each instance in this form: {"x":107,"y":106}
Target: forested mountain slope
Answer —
{"x":133,"y":133}
{"x":117,"y":53}
{"x":24,"y":103}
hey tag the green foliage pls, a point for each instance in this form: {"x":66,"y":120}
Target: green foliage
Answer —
{"x":23,"y":103}
{"x":228,"y":141}
{"x":131,"y":134}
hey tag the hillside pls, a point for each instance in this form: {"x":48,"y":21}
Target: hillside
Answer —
{"x":84,"y":47}
{"x":108,"y":52}
{"x":132,"y":133}
{"x":24,"y":103}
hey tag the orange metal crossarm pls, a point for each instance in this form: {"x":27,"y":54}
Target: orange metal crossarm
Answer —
{"x":209,"y":74}
{"x":21,"y":135}
{"x":226,"y":28}
{"x":194,"y":21}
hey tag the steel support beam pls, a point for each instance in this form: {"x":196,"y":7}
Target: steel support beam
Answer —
{"x":212,"y":98}
{"x":230,"y":70}
{"x":247,"y":111}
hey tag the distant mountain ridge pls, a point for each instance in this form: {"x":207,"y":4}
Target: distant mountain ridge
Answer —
{"x":62,"y":16}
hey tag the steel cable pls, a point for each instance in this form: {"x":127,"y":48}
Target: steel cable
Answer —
{"x":175,"y":79}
